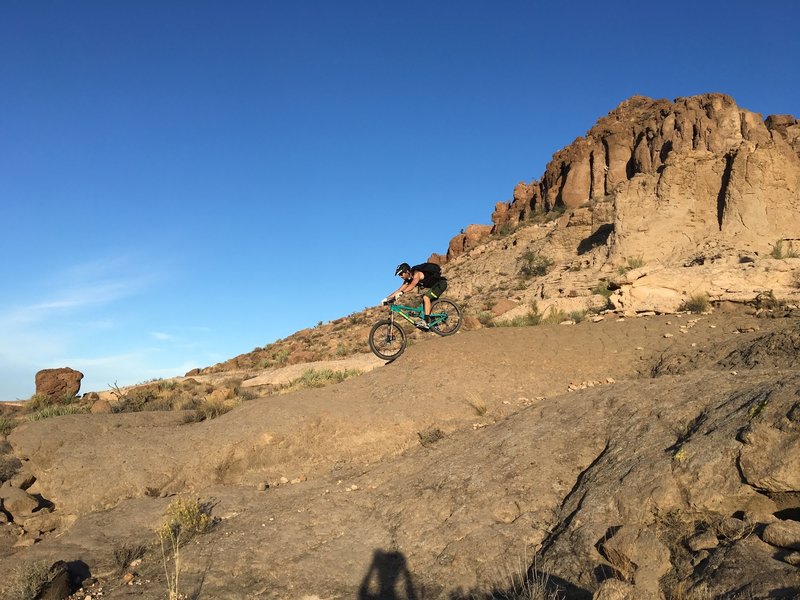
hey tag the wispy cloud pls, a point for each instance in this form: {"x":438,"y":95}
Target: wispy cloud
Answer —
{"x":161,"y":337}
{"x":53,"y":320}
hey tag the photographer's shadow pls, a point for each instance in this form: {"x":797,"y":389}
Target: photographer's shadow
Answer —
{"x":388,"y":578}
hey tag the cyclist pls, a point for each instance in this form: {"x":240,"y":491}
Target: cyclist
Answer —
{"x":426,"y":275}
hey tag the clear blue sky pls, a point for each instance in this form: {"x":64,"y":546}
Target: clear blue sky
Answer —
{"x":182,"y":181}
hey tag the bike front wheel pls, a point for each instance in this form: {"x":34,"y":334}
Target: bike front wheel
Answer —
{"x":387,"y":340}
{"x":445,"y":317}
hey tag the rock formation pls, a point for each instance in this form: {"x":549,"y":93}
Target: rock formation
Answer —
{"x":58,"y":384}
{"x":693,"y":172}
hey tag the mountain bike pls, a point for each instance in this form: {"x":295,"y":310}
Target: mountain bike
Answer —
{"x":387,"y":340}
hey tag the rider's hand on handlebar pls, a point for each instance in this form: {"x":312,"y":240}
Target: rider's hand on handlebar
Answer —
{"x":386,"y":301}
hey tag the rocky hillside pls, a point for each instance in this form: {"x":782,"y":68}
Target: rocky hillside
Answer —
{"x":660,"y":203}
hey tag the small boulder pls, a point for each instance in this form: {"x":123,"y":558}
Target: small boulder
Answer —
{"x":503,"y":306}
{"x":703,"y":541}
{"x":639,"y":555}
{"x":101,"y":407}
{"x":784,"y":534}
{"x":58,"y":384}
{"x":17,"y":503}
{"x":614,"y":589}
{"x":57,"y":586}
{"x":732,"y":528}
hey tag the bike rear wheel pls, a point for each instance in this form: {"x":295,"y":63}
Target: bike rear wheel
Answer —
{"x":387,"y":340}
{"x":450,"y":315}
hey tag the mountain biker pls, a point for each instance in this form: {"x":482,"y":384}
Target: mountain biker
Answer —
{"x":425,"y":275}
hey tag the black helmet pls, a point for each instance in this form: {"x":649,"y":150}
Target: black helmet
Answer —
{"x":402,"y":267}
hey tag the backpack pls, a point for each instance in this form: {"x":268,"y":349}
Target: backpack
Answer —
{"x":428,"y":267}
{"x":432,"y":269}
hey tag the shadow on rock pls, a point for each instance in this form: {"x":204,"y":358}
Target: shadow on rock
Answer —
{"x":388,"y":578}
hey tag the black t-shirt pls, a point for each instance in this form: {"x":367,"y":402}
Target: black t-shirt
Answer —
{"x":431,"y":274}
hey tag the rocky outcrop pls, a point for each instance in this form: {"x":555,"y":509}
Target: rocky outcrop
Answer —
{"x":696,"y":170}
{"x":58,"y":384}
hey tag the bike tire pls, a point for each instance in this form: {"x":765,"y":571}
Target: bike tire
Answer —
{"x":387,"y":340}
{"x":453,"y":321}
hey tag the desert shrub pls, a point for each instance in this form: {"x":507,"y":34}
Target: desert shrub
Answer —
{"x":185,"y":518}
{"x":524,"y":583}
{"x":37,"y":402}
{"x":577,"y":315}
{"x":767,"y":300}
{"x":631,"y":263}
{"x":430,"y":436}
{"x":212,"y":409}
{"x":486,"y":318}
{"x":602,"y":289}
{"x":554,"y":317}
{"x":778,"y":251}
{"x":28,"y":579}
{"x":6,"y":425}
{"x":505,"y":229}
{"x":698,"y":303}
{"x":315,"y":378}
{"x":356,"y":318}
{"x":246,"y":395}
{"x":532,"y":317}
{"x":57,"y":410}
{"x":476,"y":402}
{"x":533,"y":264}
{"x":167,"y":385}
{"x":281,"y":357}
{"x":125,"y":554}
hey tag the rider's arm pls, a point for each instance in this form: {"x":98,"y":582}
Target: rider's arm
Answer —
{"x":409,"y":285}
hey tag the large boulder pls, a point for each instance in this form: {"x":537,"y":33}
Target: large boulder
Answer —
{"x":58,"y":384}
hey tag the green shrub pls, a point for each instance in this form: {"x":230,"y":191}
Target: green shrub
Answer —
{"x":532,"y":317}
{"x":315,"y":378}
{"x":57,"y":410}
{"x":778,"y":251}
{"x":577,"y":315}
{"x":505,"y":229}
{"x":6,"y":425}
{"x":631,"y":263}
{"x":534,"y":264}
{"x":602,"y":289}
{"x":282,"y":356}
{"x":486,"y":318}
{"x":37,"y":402}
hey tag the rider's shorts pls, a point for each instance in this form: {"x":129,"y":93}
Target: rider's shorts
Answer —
{"x":437,"y":289}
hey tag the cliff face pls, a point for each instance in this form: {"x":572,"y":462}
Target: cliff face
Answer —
{"x":682,"y":174}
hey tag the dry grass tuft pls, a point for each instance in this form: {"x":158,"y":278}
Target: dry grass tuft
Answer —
{"x":27,"y":580}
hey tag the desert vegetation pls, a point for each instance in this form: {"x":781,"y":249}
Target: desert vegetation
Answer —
{"x":696,"y":303}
